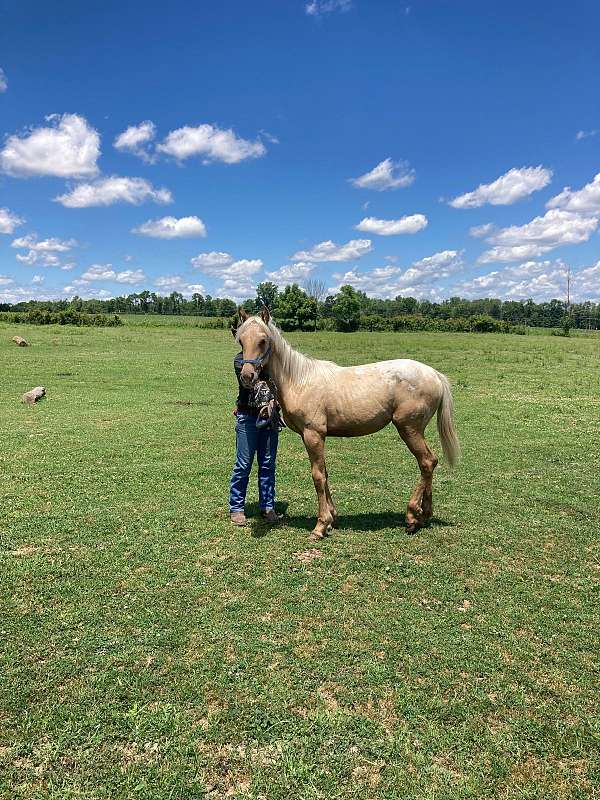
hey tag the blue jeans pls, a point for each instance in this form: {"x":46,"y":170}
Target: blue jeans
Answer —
{"x":250,"y":441}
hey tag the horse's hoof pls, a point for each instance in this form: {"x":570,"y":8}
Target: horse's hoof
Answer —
{"x":413,"y":528}
{"x":318,"y":534}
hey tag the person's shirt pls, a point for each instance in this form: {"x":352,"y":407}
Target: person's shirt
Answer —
{"x":246,"y":401}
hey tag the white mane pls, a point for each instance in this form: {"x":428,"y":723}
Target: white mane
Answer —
{"x":287,"y":364}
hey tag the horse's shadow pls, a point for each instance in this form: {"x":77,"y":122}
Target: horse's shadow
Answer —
{"x":346,"y":522}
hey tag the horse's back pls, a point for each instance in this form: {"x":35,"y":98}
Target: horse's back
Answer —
{"x":363,"y":399}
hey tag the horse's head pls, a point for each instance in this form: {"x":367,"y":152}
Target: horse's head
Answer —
{"x":254,"y":336}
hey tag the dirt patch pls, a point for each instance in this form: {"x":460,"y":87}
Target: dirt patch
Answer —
{"x":308,"y":556}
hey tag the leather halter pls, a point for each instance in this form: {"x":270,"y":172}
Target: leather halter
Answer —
{"x":258,"y":362}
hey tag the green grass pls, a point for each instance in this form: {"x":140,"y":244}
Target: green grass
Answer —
{"x":150,"y":650}
{"x":170,"y":321}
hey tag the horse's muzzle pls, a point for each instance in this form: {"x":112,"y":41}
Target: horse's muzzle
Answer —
{"x":248,"y":376}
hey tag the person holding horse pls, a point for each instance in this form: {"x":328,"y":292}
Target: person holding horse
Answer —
{"x":320,"y":399}
{"x":256,"y":434}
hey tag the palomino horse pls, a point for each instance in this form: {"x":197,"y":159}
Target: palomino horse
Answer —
{"x":320,"y":399}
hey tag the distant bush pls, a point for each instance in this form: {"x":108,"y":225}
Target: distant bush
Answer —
{"x":375,"y":322}
{"x":325,"y":324}
{"x":68,"y":317}
{"x":212,"y":323}
{"x":483,"y":323}
{"x":173,"y":321}
{"x":414,"y":322}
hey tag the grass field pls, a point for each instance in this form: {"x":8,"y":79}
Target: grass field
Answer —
{"x":150,"y":650}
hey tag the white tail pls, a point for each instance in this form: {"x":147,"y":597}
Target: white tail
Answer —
{"x":445,"y":424}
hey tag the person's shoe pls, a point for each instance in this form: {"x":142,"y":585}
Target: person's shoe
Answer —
{"x":238,"y":518}
{"x":271,"y":516}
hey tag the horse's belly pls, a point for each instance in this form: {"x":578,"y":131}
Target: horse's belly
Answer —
{"x":363,"y":429}
{"x":357,"y":422}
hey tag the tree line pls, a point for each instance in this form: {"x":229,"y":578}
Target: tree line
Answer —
{"x":311,"y":308}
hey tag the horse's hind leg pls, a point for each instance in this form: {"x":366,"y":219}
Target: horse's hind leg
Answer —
{"x":330,"y":503}
{"x":420,"y":505}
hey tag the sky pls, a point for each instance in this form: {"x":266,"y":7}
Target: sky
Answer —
{"x":418,"y":148}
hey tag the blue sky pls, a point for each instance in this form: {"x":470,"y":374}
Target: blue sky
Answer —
{"x":415,"y":148}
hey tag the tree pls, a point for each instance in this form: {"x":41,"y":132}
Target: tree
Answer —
{"x":346,"y":309}
{"x":209,"y":306}
{"x":198,"y":303}
{"x":176,"y":299}
{"x":315,"y":288}
{"x":295,"y":309}
{"x":266,"y":294}
{"x":227,"y":308}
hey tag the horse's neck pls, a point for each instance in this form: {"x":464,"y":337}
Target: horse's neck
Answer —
{"x":288,"y":368}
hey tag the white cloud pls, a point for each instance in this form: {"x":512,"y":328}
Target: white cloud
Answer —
{"x":329,"y":251}
{"x":419,"y":280}
{"x":479,"y":231}
{"x":205,"y":261}
{"x":3,"y":81}
{"x":68,"y":148}
{"x":41,"y":252}
{"x":174,"y":283}
{"x":291,"y":273}
{"x":172,"y":228}
{"x":512,"y":253}
{"x":236,"y":275}
{"x":196,"y":288}
{"x":542,"y":234}
{"x":135,"y":140}
{"x":391,"y":227}
{"x":387,"y":174}
{"x":211,"y":143}
{"x":315,"y":8}
{"x":585,"y":200}
{"x":439,"y":264}
{"x":105,"y":272}
{"x":30,"y":258}
{"x":538,"y":280}
{"x":586,"y":284}
{"x":131,"y":276}
{"x":18,"y":294}
{"x":52,"y":245}
{"x":507,"y":189}
{"x":238,"y":269}
{"x":585,"y":134}
{"x":9,"y":221}
{"x":221,"y":265}
{"x":237,"y":288}
{"x":115,"y":189}
{"x":177,"y":283}
{"x":37,"y":279}
{"x":5,"y":280}
{"x":86,"y":292}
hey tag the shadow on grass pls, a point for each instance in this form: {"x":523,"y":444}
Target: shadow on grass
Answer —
{"x":258,"y":527}
{"x":375,"y":521}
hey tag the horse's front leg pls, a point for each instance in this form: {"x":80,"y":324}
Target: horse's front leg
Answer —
{"x":315,"y":447}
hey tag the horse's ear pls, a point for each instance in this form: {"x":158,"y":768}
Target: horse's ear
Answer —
{"x":242,"y":314}
{"x":265,"y":315}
